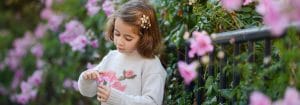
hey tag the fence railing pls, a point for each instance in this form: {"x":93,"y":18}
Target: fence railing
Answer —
{"x":236,"y":39}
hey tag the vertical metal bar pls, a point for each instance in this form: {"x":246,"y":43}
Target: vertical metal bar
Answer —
{"x":190,"y":87}
{"x":222,"y":79}
{"x":210,"y":65}
{"x":267,"y":52}
{"x":236,"y":75}
{"x":201,"y":83}
{"x":251,"y":49}
{"x":235,"y":72}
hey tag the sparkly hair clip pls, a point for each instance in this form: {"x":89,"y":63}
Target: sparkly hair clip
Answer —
{"x":145,"y":22}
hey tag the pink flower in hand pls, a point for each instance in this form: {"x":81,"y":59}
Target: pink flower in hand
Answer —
{"x":110,"y":79}
{"x":200,"y":44}
{"x":258,"y":98}
{"x":187,"y":71}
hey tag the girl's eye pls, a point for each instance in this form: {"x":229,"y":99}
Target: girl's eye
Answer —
{"x":128,"y":39}
{"x":116,"y":34}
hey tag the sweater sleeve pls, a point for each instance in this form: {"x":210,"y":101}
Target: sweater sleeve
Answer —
{"x":153,"y":82}
{"x":89,"y":87}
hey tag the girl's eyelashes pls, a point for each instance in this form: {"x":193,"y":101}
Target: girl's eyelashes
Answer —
{"x":128,"y":39}
{"x":116,"y":34}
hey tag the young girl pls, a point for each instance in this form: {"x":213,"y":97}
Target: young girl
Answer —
{"x":132,"y":74}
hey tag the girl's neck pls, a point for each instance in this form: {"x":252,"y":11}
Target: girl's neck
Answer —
{"x":134,"y":53}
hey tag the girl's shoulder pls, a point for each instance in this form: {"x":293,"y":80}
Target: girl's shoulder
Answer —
{"x":155,"y":65}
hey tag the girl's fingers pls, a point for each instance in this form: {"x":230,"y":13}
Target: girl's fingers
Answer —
{"x":101,"y":99}
{"x":94,"y":76}
{"x":102,"y":91}
{"x":89,"y":75}
{"x":84,"y":76}
{"x":102,"y":96}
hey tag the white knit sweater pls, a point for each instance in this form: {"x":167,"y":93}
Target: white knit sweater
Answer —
{"x":146,"y":88}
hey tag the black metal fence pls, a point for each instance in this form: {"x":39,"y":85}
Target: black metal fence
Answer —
{"x":233,"y":38}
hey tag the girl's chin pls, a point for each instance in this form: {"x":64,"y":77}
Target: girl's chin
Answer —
{"x":124,"y":51}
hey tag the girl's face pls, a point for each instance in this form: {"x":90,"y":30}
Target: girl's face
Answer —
{"x":125,"y":37}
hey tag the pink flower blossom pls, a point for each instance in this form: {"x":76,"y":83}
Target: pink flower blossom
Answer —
{"x":40,"y":30}
{"x":17,"y":78}
{"x":246,"y":2}
{"x":108,"y":7}
{"x":37,"y":50}
{"x":71,"y":84}
{"x":90,"y":66}
{"x":231,"y":5}
{"x":73,"y":29}
{"x":272,"y":16}
{"x":67,"y":83}
{"x":258,"y":98}
{"x":54,"y":22}
{"x":200,"y":44}
{"x":94,"y":43}
{"x":22,"y":99}
{"x":291,"y":97}
{"x":39,"y":63}
{"x":48,"y":3}
{"x":27,"y":93}
{"x":75,"y":85}
{"x":187,"y":71}
{"x":92,"y":7}
{"x":292,"y":9}
{"x":26,"y":87}
{"x":36,"y":78}
{"x":13,"y":62}
{"x":79,"y":43}
{"x":46,"y":13}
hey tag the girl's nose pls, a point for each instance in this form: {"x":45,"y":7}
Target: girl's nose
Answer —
{"x":120,"y":42}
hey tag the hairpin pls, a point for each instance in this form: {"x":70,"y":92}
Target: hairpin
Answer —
{"x":145,"y":22}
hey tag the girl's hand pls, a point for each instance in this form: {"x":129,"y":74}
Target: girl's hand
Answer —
{"x":90,"y":74}
{"x":103,"y":93}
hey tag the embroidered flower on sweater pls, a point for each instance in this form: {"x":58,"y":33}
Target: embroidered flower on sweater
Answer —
{"x":127,"y":74}
{"x":110,"y":79}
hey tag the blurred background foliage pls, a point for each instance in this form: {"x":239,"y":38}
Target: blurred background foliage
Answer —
{"x":175,"y":17}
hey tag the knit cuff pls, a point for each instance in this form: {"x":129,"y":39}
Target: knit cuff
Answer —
{"x":115,"y":97}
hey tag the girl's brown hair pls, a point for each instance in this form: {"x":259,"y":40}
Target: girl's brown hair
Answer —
{"x":131,"y":13}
